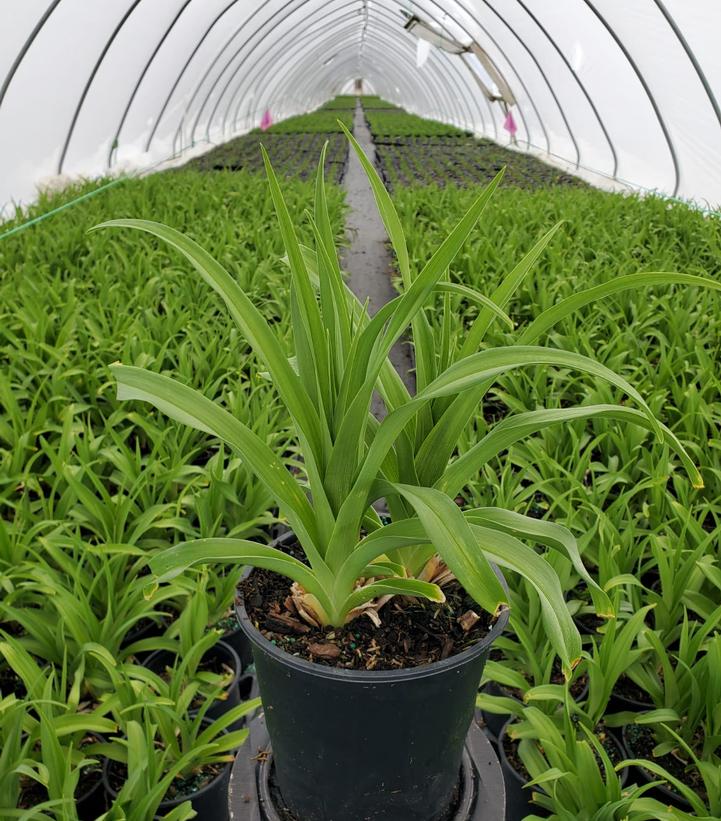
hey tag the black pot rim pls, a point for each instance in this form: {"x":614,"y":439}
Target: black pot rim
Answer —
{"x":219,"y":645}
{"x":171,"y":802}
{"x":366,"y":676}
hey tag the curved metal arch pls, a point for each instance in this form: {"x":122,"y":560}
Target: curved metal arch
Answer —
{"x":126,"y":110}
{"x":692,"y":58}
{"x":245,"y":42}
{"x":495,"y":42}
{"x":283,"y":36}
{"x":419,"y":89}
{"x":321,"y":70}
{"x":379,"y":57}
{"x":560,"y":53}
{"x":408,"y":78}
{"x":176,"y":83}
{"x":642,"y":80}
{"x":295,"y":67}
{"x":235,"y":72}
{"x":89,"y":82}
{"x":543,"y":75}
{"x":238,"y":89}
{"x":20,"y":56}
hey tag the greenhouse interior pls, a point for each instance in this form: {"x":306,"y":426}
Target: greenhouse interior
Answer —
{"x":359,"y":410}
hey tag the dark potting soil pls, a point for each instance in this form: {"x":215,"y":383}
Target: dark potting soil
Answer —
{"x":628,"y":689}
{"x":182,"y":787}
{"x":641,"y":741}
{"x":286,"y":815}
{"x":11,"y":683}
{"x":413,"y":632}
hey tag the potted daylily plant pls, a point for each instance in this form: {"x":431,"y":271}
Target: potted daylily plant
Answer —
{"x":366,"y":718}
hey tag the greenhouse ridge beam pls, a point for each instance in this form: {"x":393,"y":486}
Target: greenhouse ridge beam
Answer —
{"x":291,"y":67}
{"x":288,"y":68}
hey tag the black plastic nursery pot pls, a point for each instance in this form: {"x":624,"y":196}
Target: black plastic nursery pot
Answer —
{"x":518,"y":796}
{"x":210,"y":802}
{"x":222,"y":652}
{"x":253,"y":794}
{"x":644,"y":776}
{"x":357,"y":744}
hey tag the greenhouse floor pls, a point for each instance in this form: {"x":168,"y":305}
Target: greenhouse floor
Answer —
{"x":92,"y":487}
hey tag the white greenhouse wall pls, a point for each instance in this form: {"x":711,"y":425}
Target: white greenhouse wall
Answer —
{"x":625,"y":93}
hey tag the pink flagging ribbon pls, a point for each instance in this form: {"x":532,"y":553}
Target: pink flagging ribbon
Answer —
{"x":266,"y":121}
{"x":510,"y":124}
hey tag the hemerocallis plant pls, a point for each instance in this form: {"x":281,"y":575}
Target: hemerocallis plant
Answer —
{"x":355,"y":562}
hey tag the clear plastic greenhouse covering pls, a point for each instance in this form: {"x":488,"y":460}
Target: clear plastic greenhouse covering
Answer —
{"x":626,"y":93}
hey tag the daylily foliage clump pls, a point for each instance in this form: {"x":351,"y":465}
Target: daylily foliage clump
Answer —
{"x":410,"y":459}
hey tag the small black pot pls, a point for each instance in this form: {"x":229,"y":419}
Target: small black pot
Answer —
{"x":351,"y":744}
{"x":210,"y":802}
{"x":91,"y":802}
{"x":518,"y":797}
{"x":160,"y":659}
{"x":660,"y":791}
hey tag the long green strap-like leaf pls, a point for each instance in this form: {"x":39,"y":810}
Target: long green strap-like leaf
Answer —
{"x":392,"y":587}
{"x":183,"y":404}
{"x":495,"y":361}
{"x":249,"y":320}
{"x":509,"y":552}
{"x":175,"y":560}
{"x":551,"y":535}
{"x":387,"y":210}
{"x":452,"y":538}
{"x":503,"y":293}
{"x":570,"y":304}
{"x":514,"y":428}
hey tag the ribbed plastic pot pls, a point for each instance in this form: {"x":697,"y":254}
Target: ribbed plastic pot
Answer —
{"x":352,"y":744}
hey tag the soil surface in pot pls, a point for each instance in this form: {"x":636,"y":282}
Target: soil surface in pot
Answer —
{"x":627,"y":689}
{"x":640,"y":741}
{"x":413,"y":632}
{"x":286,"y":815}
{"x":182,"y":787}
